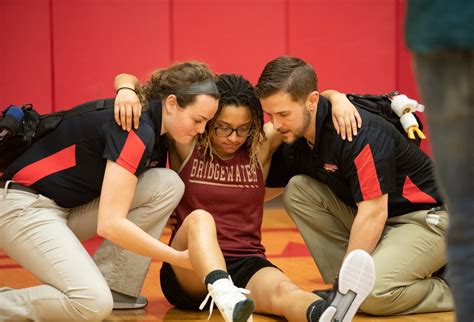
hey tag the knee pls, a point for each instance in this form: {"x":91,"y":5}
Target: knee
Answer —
{"x":165,"y":182}
{"x":380,"y":303}
{"x":283,"y":290}
{"x":292,"y":189}
{"x":295,"y":184}
{"x":199,"y":218}
{"x":92,"y":303}
{"x":171,"y":182}
{"x":298,"y":188}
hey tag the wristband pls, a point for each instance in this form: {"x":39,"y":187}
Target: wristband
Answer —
{"x":125,"y":87}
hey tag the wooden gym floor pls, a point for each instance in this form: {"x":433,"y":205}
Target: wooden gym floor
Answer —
{"x":285,"y":248}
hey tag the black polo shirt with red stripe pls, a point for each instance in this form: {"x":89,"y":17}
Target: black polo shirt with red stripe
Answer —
{"x":378,"y":161}
{"x":68,"y":164}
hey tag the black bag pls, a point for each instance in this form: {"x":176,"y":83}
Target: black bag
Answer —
{"x":381,"y":105}
{"x":22,"y":126}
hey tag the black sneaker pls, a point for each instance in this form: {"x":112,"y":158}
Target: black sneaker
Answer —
{"x":441,"y":274}
{"x":127,"y":302}
{"x":355,"y":281}
{"x":324,"y":294}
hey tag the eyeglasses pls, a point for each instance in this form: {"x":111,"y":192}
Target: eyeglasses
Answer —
{"x":243,"y":131}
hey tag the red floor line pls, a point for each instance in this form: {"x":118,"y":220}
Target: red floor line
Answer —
{"x":10,"y":266}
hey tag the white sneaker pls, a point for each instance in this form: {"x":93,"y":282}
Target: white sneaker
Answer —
{"x":355,"y":282}
{"x":230,"y":300}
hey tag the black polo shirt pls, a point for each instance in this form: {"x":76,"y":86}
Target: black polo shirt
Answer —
{"x":379,"y":160}
{"x":68,"y":164}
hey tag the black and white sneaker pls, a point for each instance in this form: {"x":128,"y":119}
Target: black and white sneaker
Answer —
{"x":324,"y":294}
{"x":355,"y":281}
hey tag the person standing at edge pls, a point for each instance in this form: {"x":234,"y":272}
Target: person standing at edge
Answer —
{"x":441,"y":37}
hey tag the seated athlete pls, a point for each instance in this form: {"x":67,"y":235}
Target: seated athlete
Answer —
{"x":224,"y":172}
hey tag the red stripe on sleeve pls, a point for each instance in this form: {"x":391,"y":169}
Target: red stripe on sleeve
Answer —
{"x":132,"y":152}
{"x":414,"y":194}
{"x":369,"y":183}
{"x":56,"y":162}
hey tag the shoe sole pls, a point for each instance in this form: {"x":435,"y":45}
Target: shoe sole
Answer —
{"x":243,"y":311}
{"x":129,"y":306}
{"x":356,"y":281}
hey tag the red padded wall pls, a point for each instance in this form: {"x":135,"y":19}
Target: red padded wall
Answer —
{"x":233,"y":36}
{"x":405,"y":70}
{"x":57,"y":53}
{"x":25,"y":53}
{"x":351,"y":44}
{"x":95,"y":40}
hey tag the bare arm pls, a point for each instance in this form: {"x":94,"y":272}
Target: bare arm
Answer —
{"x":345,"y":116}
{"x":127,"y":103}
{"x":368,"y":224}
{"x":272,"y":193}
{"x":178,"y":152}
{"x":266,"y":148}
{"x":116,"y":196}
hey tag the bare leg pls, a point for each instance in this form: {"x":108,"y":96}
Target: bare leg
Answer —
{"x":274,"y":293}
{"x":198,"y":235}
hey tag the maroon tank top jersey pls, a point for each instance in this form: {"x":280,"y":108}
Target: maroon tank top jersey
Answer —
{"x":232,"y":193}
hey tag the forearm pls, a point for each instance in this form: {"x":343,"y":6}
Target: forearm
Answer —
{"x":118,"y":189}
{"x":345,"y":116}
{"x":365,"y":234}
{"x":331,"y":94}
{"x":127,"y":235}
{"x":126,"y":80}
{"x":272,"y":193}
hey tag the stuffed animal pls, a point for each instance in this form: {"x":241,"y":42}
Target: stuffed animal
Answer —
{"x":404,"y":108}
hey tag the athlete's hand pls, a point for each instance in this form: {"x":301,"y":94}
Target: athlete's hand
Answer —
{"x":345,"y":116}
{"x":127,"y":106}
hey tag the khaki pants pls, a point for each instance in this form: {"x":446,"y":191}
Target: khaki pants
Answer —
{"x":45,"y":239}
{"x":411,"y":248}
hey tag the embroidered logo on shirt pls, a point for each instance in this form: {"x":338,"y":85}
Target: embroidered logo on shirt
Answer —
{"x":330,"y":167}
{"x":153,"y":164}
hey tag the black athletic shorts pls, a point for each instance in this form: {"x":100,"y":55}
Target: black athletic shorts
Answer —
{"x":240,"y":269}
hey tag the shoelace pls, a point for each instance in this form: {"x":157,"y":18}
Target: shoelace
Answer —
{"x":226,"y":294}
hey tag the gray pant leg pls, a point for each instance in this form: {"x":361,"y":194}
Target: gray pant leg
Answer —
{"x":157,"y":194}
{"x":322,"y":219}
{"x":412,"y":247}
{"x":34,"y":233}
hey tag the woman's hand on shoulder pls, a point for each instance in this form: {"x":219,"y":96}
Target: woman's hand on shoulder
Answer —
{"x":127,"y":104}
{"x":345,"y":116}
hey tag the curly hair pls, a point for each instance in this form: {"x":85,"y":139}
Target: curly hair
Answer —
{"x":235,"y":90}
{"x":164,"y":82}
